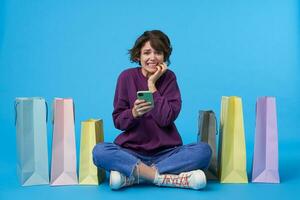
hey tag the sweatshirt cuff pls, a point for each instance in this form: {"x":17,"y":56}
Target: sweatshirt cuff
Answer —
{"x":129,"y":115}
{"x":131,"y":118}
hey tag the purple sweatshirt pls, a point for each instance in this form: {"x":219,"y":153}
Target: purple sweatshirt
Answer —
{"x":155,"y":130}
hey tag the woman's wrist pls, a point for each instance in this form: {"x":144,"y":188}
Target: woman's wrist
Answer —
{"x":134,"y":113}
{"x":151,"y":87}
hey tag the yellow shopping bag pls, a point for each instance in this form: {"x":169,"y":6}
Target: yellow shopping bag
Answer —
{"x":91,"y":134}
{"x":232,"y":150}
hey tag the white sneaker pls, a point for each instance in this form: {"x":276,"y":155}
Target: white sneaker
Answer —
{"x":193,"y":179}
{"x":118,"y":180}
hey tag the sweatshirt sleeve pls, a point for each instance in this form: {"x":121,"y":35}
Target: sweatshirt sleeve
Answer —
{"x":167,"y":104}
{"x":122,"y":114}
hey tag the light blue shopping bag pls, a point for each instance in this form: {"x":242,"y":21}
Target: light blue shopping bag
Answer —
{"x":32,"y":152}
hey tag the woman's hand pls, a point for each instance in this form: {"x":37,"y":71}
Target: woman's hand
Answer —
{"x":140,"y":107}
{"x":161,"y":69}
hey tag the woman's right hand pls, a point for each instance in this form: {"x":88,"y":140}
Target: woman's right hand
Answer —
{"x":161,"y":69}
{"x":140,"y":107}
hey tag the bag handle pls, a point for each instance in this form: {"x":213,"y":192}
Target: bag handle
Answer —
{"x":16,"y":114}
{"x":46,"y":111}
{"x":74,"y":111}
{"x":216,"y":124}
{"x":53,"y":111}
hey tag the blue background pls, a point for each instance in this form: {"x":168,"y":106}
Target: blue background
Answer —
{"x":77,"y":49}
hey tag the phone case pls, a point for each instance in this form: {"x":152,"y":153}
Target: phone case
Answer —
{"x":145,"y":95}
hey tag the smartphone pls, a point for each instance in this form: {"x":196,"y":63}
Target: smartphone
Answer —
{"x":146,"y":95}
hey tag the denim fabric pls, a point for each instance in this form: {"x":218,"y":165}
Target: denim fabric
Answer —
{"x":110,"y":156}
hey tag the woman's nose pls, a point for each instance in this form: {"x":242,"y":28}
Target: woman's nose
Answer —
{"x":152,"y":56}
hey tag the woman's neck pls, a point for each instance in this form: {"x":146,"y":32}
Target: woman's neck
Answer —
{"x":145,"y":73}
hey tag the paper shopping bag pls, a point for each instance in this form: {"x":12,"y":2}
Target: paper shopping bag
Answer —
{"x":32,"y":151}
{"x":63,"y":165}
{"x":207,"y":130}
{"x":91,"y":134}
{"x":265,"y":159}
{"x":232,"y":149}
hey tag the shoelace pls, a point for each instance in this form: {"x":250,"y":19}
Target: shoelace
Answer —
{"x":182,"y":181}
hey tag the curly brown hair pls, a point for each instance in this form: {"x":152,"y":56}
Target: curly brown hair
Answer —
{"x":158,"y":41}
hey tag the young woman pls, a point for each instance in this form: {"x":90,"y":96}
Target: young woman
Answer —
{"x":150,"y":147}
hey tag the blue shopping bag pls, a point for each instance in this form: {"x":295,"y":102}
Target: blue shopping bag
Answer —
{"x":31,"y":135}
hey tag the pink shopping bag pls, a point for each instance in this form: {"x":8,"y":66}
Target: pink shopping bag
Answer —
{"x":63,"y":165}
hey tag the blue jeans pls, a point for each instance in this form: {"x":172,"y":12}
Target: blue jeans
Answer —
{"x":110,"y":156}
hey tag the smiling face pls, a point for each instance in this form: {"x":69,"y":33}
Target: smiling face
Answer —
{"x":149,"y":59}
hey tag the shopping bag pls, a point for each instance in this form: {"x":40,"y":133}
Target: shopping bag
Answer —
{"x":232,"y":149}
{"x":265,"y":158}
{"x":31,"y":135}
{"x":91,"y":134}
{"x":207,"y":130}
{"x":63,"y":165}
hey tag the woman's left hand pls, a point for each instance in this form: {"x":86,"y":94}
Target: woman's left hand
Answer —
{"x":161,"y":69}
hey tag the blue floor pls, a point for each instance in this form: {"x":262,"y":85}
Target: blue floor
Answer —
{"x":289,"y":156}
